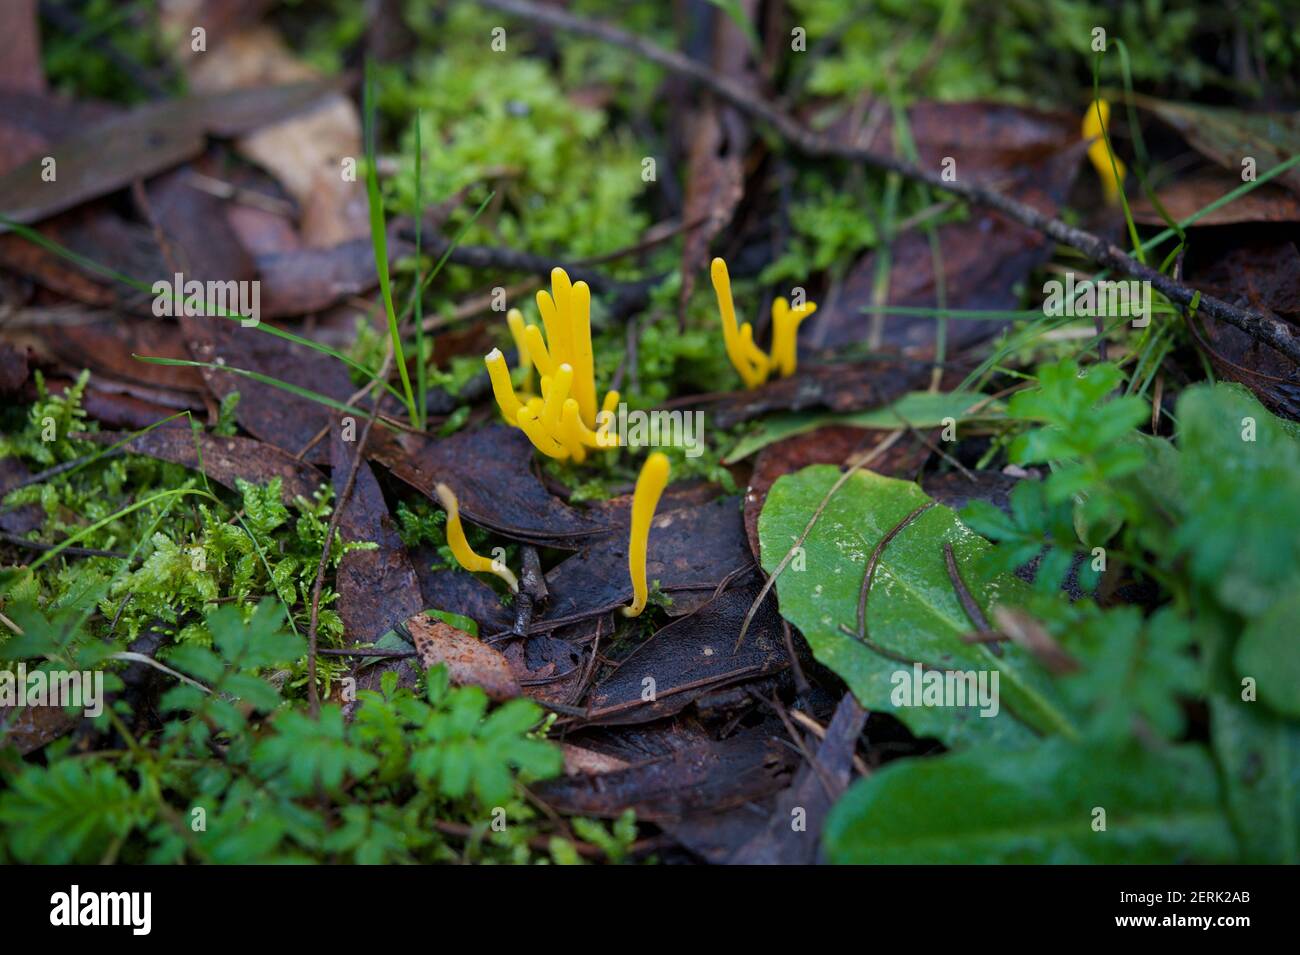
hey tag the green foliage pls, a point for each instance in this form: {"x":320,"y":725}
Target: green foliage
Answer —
{"x":72,"y":811}
{"x":239,"y":775}
{"x":570,"y":181}
{"x":77,"y":61}
{"x":1039,"y":806}
{"x":1208,"y":520}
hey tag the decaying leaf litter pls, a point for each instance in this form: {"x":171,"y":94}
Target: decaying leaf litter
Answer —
{"x":794,"y":574}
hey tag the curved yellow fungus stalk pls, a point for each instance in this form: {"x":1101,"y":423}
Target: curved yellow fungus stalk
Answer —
{"x":504,"y":391}
{"x":1095,"y":123}
{"x":750,"y":362}
{"x":460,"y":548}
{"x":650,"y":484}
{"x":584,"y":362}
{"x":730,"y":332}
{"x":555,"y":397}
{"x":515,"y":319}
{"x":537,"y":350}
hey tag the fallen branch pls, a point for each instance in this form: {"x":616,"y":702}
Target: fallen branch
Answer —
{"x":1272,"y":332}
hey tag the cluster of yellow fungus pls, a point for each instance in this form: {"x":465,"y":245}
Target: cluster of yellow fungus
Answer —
{"x":564,"y":421}
{"x":747,"y":358}
{"x":1095,"y":124}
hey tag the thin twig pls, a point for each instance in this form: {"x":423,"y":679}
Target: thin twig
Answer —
{"x":869,"y":575}
{"x":968,"y":603}
{"x":313,"y":693}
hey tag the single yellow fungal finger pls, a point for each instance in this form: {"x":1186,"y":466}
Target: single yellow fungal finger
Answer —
{"x":554,"y":405}
{"x":650,"y":484}
{"x":459,"y":545}
{"x":1095,"y":123}
{"x":782,"y":335}
{"x":584,"y":366}
{"x":537,"y":350}
{"x":604,"y":436}
{"x":555,"y":327}
{"x":504,"y":391}
{"x":732,"y":337}
{"x":515,"y":319}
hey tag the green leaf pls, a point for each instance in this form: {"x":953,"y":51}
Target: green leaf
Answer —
{"x":920,"y":409}
{"x":306,"y":753}
{"x":1239,"y":472}
{"x":912,"y":611}
{"x":1269,"y":652}
{"x":987,"y":805}
{"x":68,"y":812}
{"x":1260,"y":760}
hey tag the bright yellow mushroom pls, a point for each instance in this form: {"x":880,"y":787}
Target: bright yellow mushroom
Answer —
{"x":565,"y":364}
{"x":515,"y":319}
{"x":750,"y":362}
{"x":504,"y":391}
{"x":1095,"y":123}
{"x":460,"y":548}
{"x":650,"y":484}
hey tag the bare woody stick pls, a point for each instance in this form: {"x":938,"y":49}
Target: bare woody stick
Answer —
{"x":1272,"y":332}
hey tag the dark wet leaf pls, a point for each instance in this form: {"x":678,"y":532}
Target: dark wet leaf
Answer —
{"x":985,"y":258}
{"x":814,"y":791}
{"x":490,"y":470}
{"x":690,"y":657}
{"x":718,"y":137}
{"x":693,"y":548}
{"x":703,"y":774}
{"x":20,"y":68}
{"x":107,"y":348}
{"x":22,"y":519}
{"x":377,"y":588}
{"x":458,"y":591}
{"x":142,"y":143}
{"x":1266,"y":203}
{"x":1228,"y":135}
{"x":13,"y":367}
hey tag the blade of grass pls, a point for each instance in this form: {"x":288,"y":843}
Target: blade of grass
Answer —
{"x":421,"y":373}
{"x":257,"y":376}
{"x":379,"y":242}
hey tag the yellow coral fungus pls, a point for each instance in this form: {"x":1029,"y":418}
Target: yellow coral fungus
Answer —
{"x":515,"y":319}
{"x":650,"y":484}
{"x":565,"y":364}
{"x":460,"y":548}
{"x":747,"y":358}
{"x":1095,"y":124}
